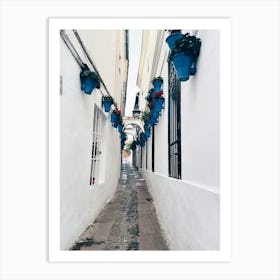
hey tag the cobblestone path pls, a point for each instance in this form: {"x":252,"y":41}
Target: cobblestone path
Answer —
{"x":127,"y":222}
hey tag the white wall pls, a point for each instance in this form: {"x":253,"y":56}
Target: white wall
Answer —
{"x":80,"y":203}
{"x":200,"y":116}
{"x":188,"y":209}
{"x":188,"y":214}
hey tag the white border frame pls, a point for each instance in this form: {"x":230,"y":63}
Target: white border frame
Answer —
{"x":224,"y":254}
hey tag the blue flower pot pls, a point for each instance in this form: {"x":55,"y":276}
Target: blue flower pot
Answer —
{"x":107,"y":106}
{"x":120,"y":128}
{"x":182,"y":64}
{"x":143,"y":137}
{"x":88,"y":85}
{"x":157,"y":86}
{"x":147,"y":131}
{"x":171,"y":39}
{"x":158,"y":104}
{"x":114,"y":118}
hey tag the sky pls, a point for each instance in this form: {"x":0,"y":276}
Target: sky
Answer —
{"x":135,"y":40}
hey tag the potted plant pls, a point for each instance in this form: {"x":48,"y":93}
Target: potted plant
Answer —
{"x":157,"y":83}
{"x":145,"y":115}
{"x":158,"y":93}
{"x":158,"y":103}
{"x":89,"y":81}
{"x":143,"y":137}
{"x":172,"y":38}
{"x":115,"y":117}
{"x":120,"y":127}
{"x":133,"y":145}
{"x":151,"y":104}
{"x":185,"y":51}
{"x":149,"y":98}
{"x":107,"y":101}
{"x":147,"y":130}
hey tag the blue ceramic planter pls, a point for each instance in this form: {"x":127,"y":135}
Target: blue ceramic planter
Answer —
{"x":158,"y":104}
{"x":147,"y":131}
{"x":143,"y":137}
{"x":182,"y":64}
{"x":171,"y":39}
{"x":107,"y":106}
{"x":120,"y":128}
{"x":88,"y":85}
{"x":157,"y":86}
{"x":114,"y":118}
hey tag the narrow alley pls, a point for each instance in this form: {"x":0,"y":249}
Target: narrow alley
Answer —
{"x":139,"y":140}
{"x":128,"y":221}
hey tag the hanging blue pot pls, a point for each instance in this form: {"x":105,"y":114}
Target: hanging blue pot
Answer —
{"x":143,"y":137}
{"x":88,"y":85}
{"x":182,"y":64}
{"x":171,"y":39}
{"x":120,"y":128}
{"x":107,"y":106}
{"x":157,"y":86}
{"x":113,"y":118}
{"x":147,"y":131}
{"x":142,"y":144}
{"x":115,"y":124}
{"x":158,"y":104}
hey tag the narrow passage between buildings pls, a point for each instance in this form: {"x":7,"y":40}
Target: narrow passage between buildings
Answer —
{"x":128,"y":221}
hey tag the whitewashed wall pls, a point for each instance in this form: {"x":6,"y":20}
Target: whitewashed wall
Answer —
{"x":188,"y":209}
{"x":81,"y":203}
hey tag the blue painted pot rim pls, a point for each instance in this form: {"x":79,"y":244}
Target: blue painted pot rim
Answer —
{"x":170,"y":40}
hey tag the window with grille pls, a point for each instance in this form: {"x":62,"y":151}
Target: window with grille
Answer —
{"x":174,"y":123}
{"x":96,"y":147}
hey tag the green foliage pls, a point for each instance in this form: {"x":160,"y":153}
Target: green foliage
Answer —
{"x":107,"y":98}
{"x":188,"y":44}
{"x":157,"y":79}
{"x":116,"y":111}
{"x":145,"y":115}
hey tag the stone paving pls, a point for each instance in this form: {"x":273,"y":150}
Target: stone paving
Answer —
{"x":128,"y":221}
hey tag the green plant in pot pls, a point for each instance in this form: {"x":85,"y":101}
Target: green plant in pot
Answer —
{"x":157,"y":83}
{"x":107,"y":101}
{"x":145,"y":115}
{"x":89,"y":81}
{"x":184,"y":54}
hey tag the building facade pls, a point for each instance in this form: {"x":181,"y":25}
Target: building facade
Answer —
{"x":181,"y":159}
{"x":89,"y":172}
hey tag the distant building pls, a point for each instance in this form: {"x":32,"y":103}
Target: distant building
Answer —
{"x":90,"y":146}
{"x":180,"y":160}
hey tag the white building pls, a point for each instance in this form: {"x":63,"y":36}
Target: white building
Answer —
{"x":86,"y":131}
{"x":180,"y":160}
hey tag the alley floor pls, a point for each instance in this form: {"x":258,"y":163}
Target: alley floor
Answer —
{"x":128,"y":221}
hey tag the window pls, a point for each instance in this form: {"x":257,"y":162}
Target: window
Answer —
{"x":174,"y":123}
{"x":96,"y":146}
